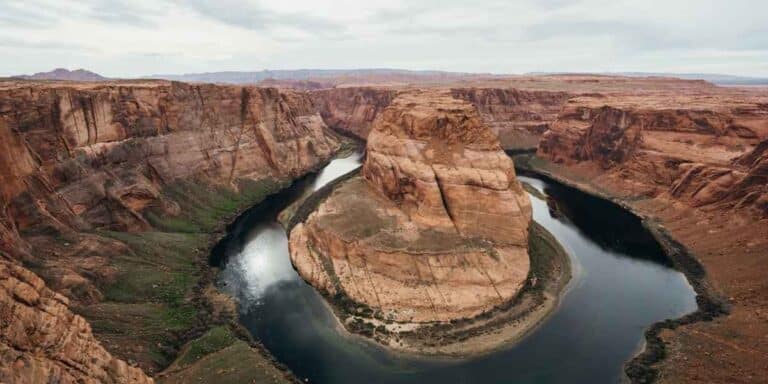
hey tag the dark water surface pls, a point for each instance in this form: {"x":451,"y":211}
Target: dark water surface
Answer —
{"x":622,"y":283}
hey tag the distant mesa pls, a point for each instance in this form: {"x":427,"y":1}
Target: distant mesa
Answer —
{"x":66,"y":75}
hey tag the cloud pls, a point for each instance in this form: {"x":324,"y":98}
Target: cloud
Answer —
{"x":16,"y":14}
{"x":120,"y":38}
{"x":112,"y":11}
{"x":252,"y":16}
{"x":15,"y":43}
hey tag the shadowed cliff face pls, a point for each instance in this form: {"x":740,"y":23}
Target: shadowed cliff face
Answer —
{"x":437,"y":226}
{"x":698,"y":149}
{"x":79,"y":160}
{"x":518,"y":117}
{"x":352,"y":110}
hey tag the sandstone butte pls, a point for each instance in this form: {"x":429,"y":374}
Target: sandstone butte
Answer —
{"x":436,"y":229}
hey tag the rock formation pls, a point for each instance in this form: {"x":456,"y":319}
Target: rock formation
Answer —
{"x":77,"y":159}
{"x":693,"y":162}
{"x":41,"y":341}
{"x":352,"y":110}
{"x":694,"y":148}
{"x":518,"y":117}
{"x":437,"y":227}
{"x":96,"y":158}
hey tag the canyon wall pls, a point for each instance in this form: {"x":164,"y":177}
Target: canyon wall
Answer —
{"x":693,"y":164}
{"x":80,"y":164}
{"x":352,"y":110}
{"x":436,"y":228}
{"x":518,"y":117}
{"x":702,"y":150}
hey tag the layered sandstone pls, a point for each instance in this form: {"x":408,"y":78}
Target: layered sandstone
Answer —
{"x":436,"y":228}
{"x":42,"y":341}
{"x":352,"y":110}
{"x":695,"y":149}
{"x":79,"y":159}
{"x":695,"y":164}
{"x":518,"y":117}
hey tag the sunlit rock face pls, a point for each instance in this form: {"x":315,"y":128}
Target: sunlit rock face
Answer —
{"x":435,"y":229}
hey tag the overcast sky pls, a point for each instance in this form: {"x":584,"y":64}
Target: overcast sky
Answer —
{"x":115,"y":38}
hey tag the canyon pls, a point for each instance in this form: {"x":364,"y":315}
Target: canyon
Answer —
{"x":693,"y":165}
{"x":113,"y":192}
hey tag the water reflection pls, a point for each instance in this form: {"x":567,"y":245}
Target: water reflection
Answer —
{"x":259,"y":259}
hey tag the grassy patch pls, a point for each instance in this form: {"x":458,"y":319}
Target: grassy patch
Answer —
{"x":546,"y":255}
{"x":237,"y":363}
{"x":148,"y":307}
{"x":214,"y":340}
{"x":139,"y":331}
{"x":204,"y":206}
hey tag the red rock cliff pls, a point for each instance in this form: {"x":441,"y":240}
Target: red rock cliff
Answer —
{"x":697,"y":149}
{"x":519,"y":117}
{"x":76,"y":159}
{"x":352,"y":110}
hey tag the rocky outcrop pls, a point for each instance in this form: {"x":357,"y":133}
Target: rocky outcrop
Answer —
{"x":352,"y":110}
{"x":696,"y":149}
{"x":518,"y":117}
{"x":41,"y":341}
{"x":96,"y":158}
{"x":436,"y":228}
{"x":79,"y":159}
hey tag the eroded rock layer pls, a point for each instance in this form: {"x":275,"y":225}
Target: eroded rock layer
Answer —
{"x":434,"y":230}
{"x":518,"y":117}
{"x":97,"y":158}
{"x":701,"y":150}
{"x":41,"y":341}
{"x":77,"y":160}
{"x":695,"y":164}
{"x":352,"y":110}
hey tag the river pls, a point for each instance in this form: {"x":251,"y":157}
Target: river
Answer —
{"x":622,"y":283}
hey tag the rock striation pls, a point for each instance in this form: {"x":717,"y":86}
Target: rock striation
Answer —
{"x":518,"y":117}
{"x":78,"y":160}
{"x":98,"y":157}
{"x":701,"y":149}
{"x":352,"y":110}
{"x":41,"y":341}
{"x":436,"y":229}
